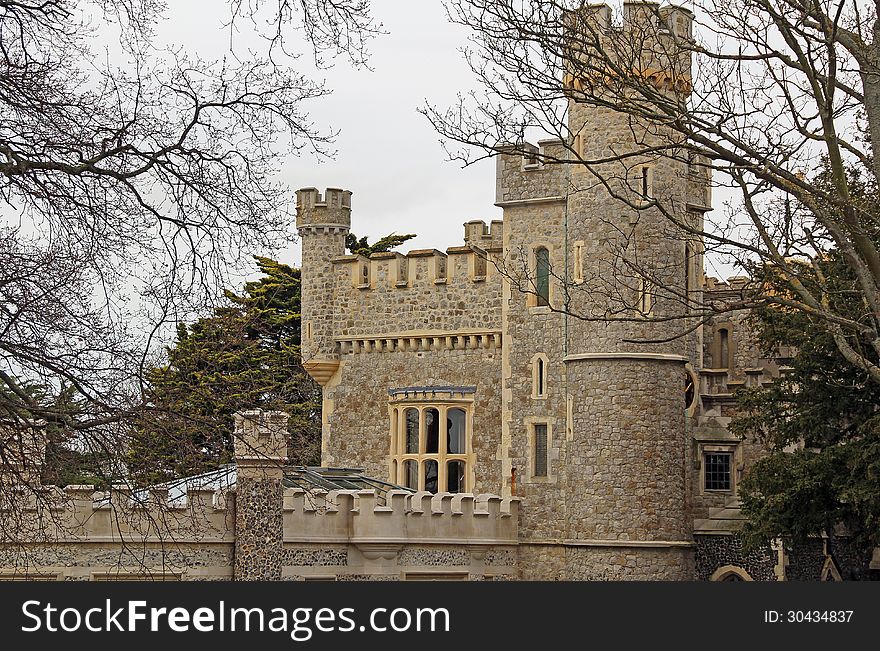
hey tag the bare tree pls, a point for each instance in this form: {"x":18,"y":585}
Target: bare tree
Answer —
{"x":781,"y":105}
{"x":133,"y":179}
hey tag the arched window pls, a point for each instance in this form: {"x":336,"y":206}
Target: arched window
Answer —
{"x":542,"y":276}
{"x":412,"y":431}
{"x":730,"y":573}
{"x":539,"y":376}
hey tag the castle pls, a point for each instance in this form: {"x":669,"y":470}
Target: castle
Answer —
{"x":542,"y":416}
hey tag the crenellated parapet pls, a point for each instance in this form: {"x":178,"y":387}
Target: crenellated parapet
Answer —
{"x":419,"y":268}
{"x":486,"y":238}
{"x":79,"y":513}
{"x":651,"y":43}
{"x":323,"y":212}
{"x":400,"y":517}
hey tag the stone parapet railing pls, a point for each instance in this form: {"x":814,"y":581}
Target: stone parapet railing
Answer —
{"x":363,"y":518}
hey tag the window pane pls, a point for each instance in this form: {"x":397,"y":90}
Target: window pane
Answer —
{"x":540,"y":450}
{"x":411,"y":474}
{"x":455,"y":424}
{"x":412,"y":431}
{"x":431,"y":476}
{"x":432,"y":431}
{"x":717,"y":469}
{"x":542,"y":276}
{"x":455,"y":476}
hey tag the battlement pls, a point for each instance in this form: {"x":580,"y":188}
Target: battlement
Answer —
{"x":330,"y":210}
{"x":650,"y":38}
{"x":491,"y":237}
{"x":79,"y":512}
{"x":732,"y":284}
{"x":637,"y":17}
{"x":425,"y":267}
{"x":260,"y":437}
{"x":362,"y":517}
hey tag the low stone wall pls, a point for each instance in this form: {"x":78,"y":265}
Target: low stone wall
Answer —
{"x":353,"y":535}
{"x":340,"y":535}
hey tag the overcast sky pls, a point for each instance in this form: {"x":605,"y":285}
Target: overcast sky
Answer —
{"x":389,"y":156}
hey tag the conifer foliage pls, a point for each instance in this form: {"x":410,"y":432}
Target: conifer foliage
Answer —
{"x":243,"y":356}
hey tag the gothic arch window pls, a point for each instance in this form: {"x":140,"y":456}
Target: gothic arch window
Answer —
{"x":542,"y":276}
{"x":434,"y":452}
{"x":730,"y":573}
{"x":540,"y":364}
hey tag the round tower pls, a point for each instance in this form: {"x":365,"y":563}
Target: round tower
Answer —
{"x":323,"y":223}
{"x":626,"y":370}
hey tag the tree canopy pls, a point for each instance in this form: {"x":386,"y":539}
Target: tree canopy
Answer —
{"x":361,"y":245}
{"x":758,"y":94}
{"x":244,"y":356}
{"x":136,"y":175}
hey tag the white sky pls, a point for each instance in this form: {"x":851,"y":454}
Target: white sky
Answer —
{"x":389,"y":156}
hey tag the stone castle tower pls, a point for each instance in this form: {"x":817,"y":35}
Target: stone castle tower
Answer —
{"x":612,"y":407}
{"x":585,"y":419}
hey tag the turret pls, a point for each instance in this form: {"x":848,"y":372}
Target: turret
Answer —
{"x":323,"y":223}
{"x":598,"y":438}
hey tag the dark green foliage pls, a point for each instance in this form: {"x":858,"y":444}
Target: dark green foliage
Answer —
{"x":826,"y":412}
{"x":69,"y":459}
{"x":363,"y":247}
{"x":244,"y":356}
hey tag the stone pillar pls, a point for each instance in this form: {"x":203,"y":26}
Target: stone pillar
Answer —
{"x":260,"y":455}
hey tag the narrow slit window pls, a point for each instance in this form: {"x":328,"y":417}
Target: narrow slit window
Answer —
{"x":542,"y":276}
{"x":540,"y":375}
{"x":646,"y":181}
{"x":646,"y":297}
{"x":540,"y":450}
{"x":687,"y":271}
{"x":724,"y":348}
{"x":578,"y":262}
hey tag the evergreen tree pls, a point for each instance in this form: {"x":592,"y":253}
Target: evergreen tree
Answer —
{"x":245,"y":355}
{"x":362,"y":247}
{"x":820,"y":419}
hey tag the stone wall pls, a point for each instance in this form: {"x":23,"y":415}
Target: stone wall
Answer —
{"x":356,"y":405}
{"x":715,"y":552}
{"x":455,"y":300}
{"x":578,"y":562}
{"x":81,"y":534}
